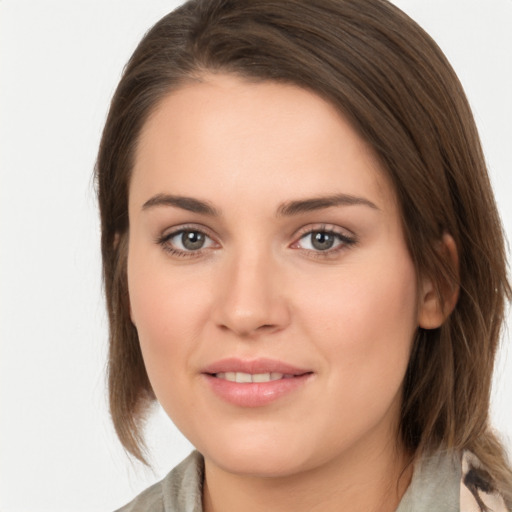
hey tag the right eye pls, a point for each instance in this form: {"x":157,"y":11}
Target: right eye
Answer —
{"x":186,"y":242}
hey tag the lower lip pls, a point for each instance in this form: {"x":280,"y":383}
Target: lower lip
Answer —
{"x":255,"y":394}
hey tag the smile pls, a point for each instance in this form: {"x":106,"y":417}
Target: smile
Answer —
{"x":242,"y":377}
{"x":254,"y":383}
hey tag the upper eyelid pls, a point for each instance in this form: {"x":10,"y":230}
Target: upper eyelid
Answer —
{"x":175,"y":230}
{"x":328,"y":228}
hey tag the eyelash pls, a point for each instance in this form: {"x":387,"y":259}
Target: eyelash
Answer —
{"x":164,"y":242}
{"x":345,"y":242}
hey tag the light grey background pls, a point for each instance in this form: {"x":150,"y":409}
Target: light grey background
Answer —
{"x":60,"y":61}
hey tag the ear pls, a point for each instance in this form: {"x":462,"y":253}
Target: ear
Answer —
{"x":437,"y":302}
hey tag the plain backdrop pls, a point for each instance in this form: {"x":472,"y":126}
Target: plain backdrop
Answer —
{"x":60,"y":62}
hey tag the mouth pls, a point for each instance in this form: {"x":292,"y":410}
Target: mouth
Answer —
{"x":246,"y":378}
{"x":254,"y":383}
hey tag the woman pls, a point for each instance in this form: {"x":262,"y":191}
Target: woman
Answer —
{"x":303,"y":262}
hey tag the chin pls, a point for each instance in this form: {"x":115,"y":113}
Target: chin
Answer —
{"x":257,"y":456}
{"x":270,"y":465}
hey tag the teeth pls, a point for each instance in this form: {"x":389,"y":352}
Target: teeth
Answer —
{"x":242,"y":377}
{"x":262,"y":377}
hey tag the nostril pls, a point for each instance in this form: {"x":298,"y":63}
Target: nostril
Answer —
{"x":248,"y":331}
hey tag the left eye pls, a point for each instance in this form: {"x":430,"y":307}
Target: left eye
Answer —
{"x":189,"y":240}
{"x":322,"y":241}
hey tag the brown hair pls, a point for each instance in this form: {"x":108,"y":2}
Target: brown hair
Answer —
{"x":393,"y":83}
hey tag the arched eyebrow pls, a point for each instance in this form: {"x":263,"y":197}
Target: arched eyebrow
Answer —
{"x":185,"y":203}
{"x":319,"y":203}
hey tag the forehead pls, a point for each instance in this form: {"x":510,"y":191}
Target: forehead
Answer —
{"x":253,"y":138}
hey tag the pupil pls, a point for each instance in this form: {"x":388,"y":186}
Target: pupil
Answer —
{"x":192,"y":240}
{"x":322,"y":241}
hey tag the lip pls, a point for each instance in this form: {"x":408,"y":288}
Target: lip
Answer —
{"x":255,"y":394}
{"x":260,"y":365}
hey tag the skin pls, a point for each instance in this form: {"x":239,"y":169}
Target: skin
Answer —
{"x":260,"y":288}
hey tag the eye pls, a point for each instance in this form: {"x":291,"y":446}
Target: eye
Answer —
{"x":319,"y":240}
{"x":323,"y":240}
{"x":186,"y":242}
{"x":189,"y":240}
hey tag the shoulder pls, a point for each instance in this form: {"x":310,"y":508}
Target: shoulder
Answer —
{"x":179,"y":491}
{"x":150,"y":500}
{"x":476,"y":492}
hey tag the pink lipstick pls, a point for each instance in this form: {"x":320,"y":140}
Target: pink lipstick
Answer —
{"x":254,"y":383}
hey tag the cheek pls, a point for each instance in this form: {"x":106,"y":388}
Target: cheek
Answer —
{"x":165,"y":309}
{"x":364,"y":297}
{"x":365,"y":321}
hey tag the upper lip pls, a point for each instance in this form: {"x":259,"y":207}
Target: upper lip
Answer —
{"x":253,"y":366}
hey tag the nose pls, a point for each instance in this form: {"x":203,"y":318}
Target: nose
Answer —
{"x":251,"y":299}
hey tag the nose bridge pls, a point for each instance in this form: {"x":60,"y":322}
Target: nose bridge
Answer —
{"x":251,"y":299}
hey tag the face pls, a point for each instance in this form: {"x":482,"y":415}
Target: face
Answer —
{"x":269,"y":279}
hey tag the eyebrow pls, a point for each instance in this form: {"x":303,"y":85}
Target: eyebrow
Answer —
{"x":287,"y":209}
{"x":319,"y":203}
{"x":185,"y":203}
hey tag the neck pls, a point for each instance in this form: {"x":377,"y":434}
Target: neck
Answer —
{"x":372,"y":480}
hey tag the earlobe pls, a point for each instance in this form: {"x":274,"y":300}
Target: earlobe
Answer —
{"x":430,"y":312}
{"x":437,"y":302}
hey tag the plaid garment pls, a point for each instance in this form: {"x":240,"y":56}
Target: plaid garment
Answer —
{"x":476,"y":494}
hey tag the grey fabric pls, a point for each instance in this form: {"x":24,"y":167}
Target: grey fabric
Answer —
{"x":434,"y":487}
{"x":179,"y":491}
